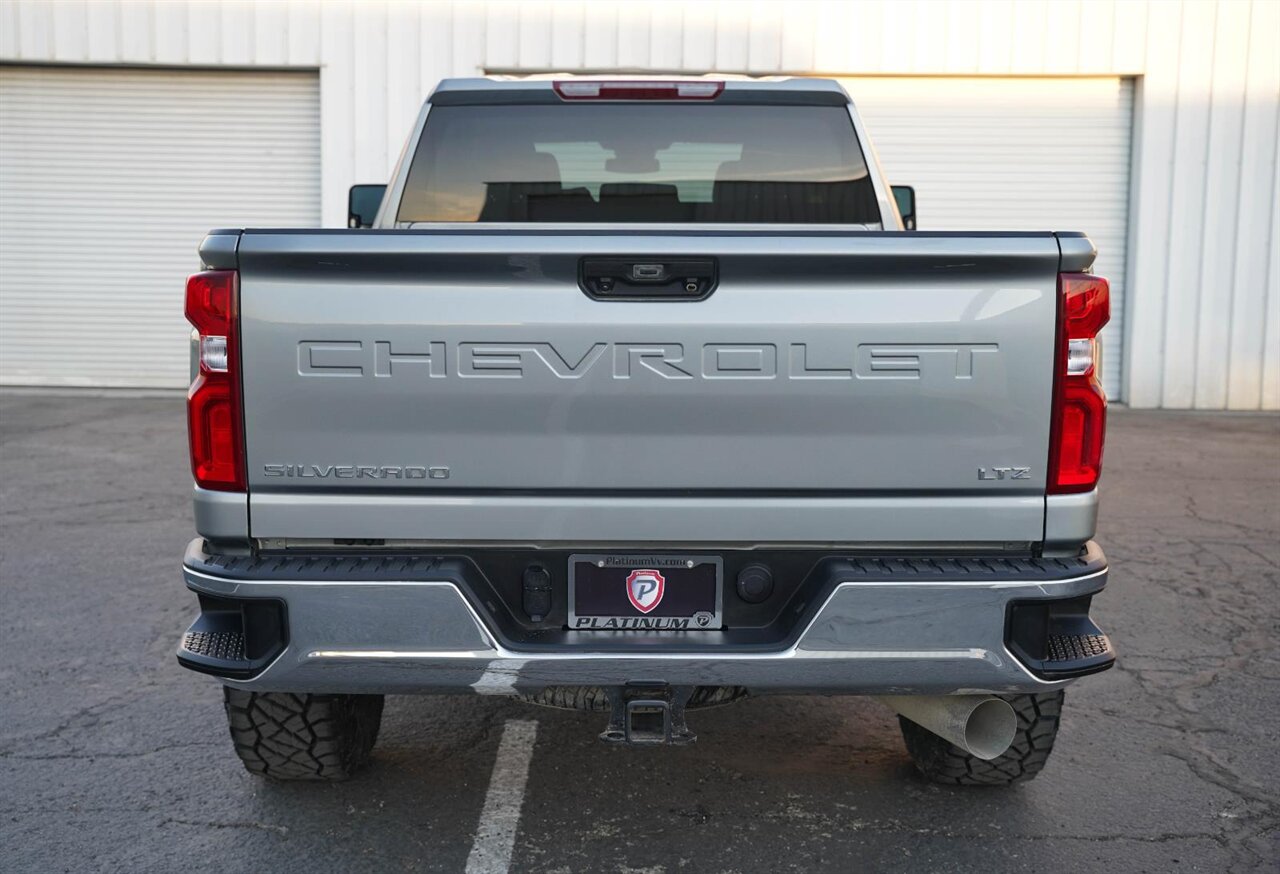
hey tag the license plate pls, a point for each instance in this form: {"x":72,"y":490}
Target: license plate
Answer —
{"x":645,"y":592}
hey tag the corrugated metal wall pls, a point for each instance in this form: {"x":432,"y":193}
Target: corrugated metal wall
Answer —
{"x":108,"y":179}
{"x":1001,"y":153}
{"x":1204,"y":265}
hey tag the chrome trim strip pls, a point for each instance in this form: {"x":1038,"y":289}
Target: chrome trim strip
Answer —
{"x":791,"y":652}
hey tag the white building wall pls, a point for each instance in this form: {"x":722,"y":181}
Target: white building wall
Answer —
{"x":1204,"y":284}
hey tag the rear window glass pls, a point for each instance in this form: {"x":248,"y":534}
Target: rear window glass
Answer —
{"x":639,"y":163}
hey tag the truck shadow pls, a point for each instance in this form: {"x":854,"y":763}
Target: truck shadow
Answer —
{"x":773,"y":783}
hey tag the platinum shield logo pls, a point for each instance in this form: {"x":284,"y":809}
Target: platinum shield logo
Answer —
{"x":645,"y":589}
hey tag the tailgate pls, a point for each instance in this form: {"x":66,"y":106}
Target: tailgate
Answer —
{"x":427,"y":384}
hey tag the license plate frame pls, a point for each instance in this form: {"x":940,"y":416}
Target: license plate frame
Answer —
{"x":681,"y":574}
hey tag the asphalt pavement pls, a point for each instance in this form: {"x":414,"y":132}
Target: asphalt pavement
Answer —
{"x":112,"y":758}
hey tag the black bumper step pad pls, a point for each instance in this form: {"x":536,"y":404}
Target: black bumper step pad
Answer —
{"x":234,"y":638}
{"x":1074,"y":647}
{"x":227,"y":646}
{"x":1057,"y":639}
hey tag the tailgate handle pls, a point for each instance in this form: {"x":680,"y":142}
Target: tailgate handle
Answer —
{"x":648,"y":278}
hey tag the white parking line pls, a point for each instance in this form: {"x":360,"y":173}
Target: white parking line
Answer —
{"x":496,"y":833}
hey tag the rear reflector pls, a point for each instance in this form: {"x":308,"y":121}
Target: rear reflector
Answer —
{"x":213,"y":401}
{"x":606,"y":89}
{"x":1079,"y":404}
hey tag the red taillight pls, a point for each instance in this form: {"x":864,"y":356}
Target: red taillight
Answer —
{"x":213,"y":402}
{"x":1079,"y":404}
{"x":609,"y":89}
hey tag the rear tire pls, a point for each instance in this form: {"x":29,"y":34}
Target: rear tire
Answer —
{"x":943,"y":762}
{"x":286,"y":736}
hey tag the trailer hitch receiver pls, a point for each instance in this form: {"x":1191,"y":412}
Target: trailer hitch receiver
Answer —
{"x":648,"y":714}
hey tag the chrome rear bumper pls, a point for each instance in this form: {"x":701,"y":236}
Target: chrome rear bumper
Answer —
{"x":868,"y":637}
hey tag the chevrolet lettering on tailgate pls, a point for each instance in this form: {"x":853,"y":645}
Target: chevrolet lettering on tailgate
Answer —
{"x":513,"y":360}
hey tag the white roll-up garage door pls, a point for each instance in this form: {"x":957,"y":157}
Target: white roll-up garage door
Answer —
{"x":997,"y":153}
{"x":109,"y":178}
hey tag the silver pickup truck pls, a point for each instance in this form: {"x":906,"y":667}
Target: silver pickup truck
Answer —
{"x":638,"y":396}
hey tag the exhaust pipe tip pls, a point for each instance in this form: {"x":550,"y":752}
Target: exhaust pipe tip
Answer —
{"x":990,"y":729}
{"x":981,"y":725}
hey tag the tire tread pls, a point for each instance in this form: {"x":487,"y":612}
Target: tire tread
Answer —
{"x":287,"y":736}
